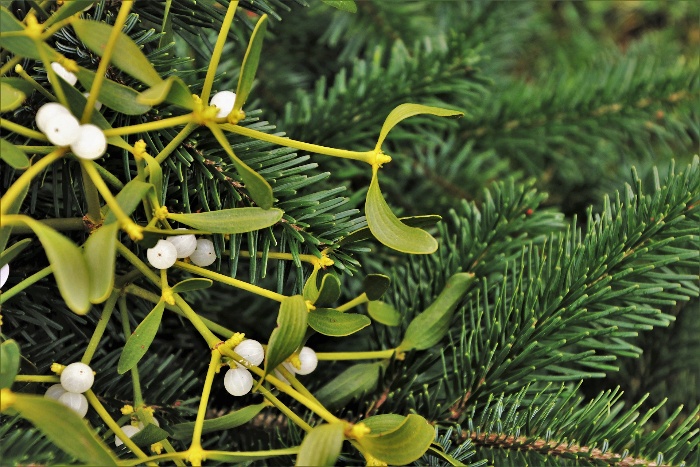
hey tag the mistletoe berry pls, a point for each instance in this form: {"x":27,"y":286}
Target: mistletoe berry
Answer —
{"x":77,"y":378}
{"x":223,"y":100}
{"x":67,"y":76}
{"x":91,"y":143}
{"x":184,"y":244}
{"x":54,"y":392}
{"x":252,"y":351}
{"x":62,"y":129}
{"x":163,"y":255}
{"x":129,"y":430}
{"x":46,"y":112}
{"x":238,"y":381}
{"x":4,"y":274}
{"x":204,"y":254}
{"x":308,"y":361}
{"x":76,"y":402}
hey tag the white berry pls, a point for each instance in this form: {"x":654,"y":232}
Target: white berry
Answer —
{"x":129,"y":430}
{"x":77,"y":377}
{"x":67,"y":76}
{"x":98,"y":104}
{"x":76,"y":402}
{"x":308,"y":360}
{"x":62,"y":129}
{"x":54,"y":392}
{"x":91,"y":142}
{"x":281,"y":377}
{"x":238,"y":381}
{"x":251,"y":351}
{"x":185,"y":244}
{"x":204,"y":254}
{"x":4,"y":274}
{"x":155,"y":422}
{"x":223,"y":101}
{"x":163,"y":255}
{"x":47,"y":111}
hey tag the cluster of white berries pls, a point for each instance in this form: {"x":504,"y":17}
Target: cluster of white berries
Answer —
{"x":63,"y":129}
{"x":238,"y":381}
{"x":223,"y":101}
{"x":164,"y":254}
{"x":131,"y":430}
{"x":76,"y":378}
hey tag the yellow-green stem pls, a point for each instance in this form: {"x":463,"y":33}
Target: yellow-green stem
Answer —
{"x":153,"y":298}
{"x":201,"y":412}
{"x":109,"y":421}
{"x":175,"y":142}
{"x":37,"y":379}
{"x":23,"y":181}
{"x":366,"y":156}
{"x":159,"y":457}
{"x":119,"y":22}
{"x":284,"y":409}
{"x":370,"y":355}
{"x":353,"y":303}
{"x":21,"y":130}
{"x":230,"y":281}
{"x":218,"y":49}
{"x":277,"y":255}
{"x":53,"y":77}
{"x":23,"y":74}
{"x":149,"y":126}
{"x":100,"y":328}
{"x":34,"y":278}
{"x":126,"y":328}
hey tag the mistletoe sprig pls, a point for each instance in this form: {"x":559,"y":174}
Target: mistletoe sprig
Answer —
{"x":85,"y":274}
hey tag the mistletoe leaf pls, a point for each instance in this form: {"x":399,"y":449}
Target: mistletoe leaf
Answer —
{"x":405,"y":111}
{"x":142,"y":337}
{"x":250,"y":64}
{"x":321,"y":446}
{"x":231,"y":221}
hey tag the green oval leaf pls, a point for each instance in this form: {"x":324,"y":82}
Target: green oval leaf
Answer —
{"x":140,"y":339}
{"x":383,"y":313}
{"x":68,"y":266}
{"x":342,"y":5}
{"x":429,"y":327}
{"x":114,"y":95}
{"x":257,"y":186}
{"x":331,"y":322}
{"x":423,"y":222}
{"x":12,"y":252}
{"x":405,"y":111}
{"x":322,"y":445}
{"x":9,"y":363}
{"x":76,"y":104}
{"x":354,"y":382}
{"x":18,"y":83}
{"x":232,"y":420}
{"x":310,"y":292}
{"x":129,"y":198}
{"x":375,"y":285}
{"x":21,"y":44}
{"x":172,"y":90}
{"x":12,"y":208}
{"x":127,"y":56}
{"x":100,"y":253}
{"x":10,"y":98}
{"x":230,"y":221}
{"x":149,"y":435}
{"x":188,"y":285}
{"x":329,"y":291}
{"x":12,"y":155}
{"x":289,"y":333}
{"x":64,"y":428}
{"x":250,"y":64}
{"x":398,"y":444}
{"x":155,"y":175}
{"x":389,"y":230}
{"x":66,"y":10}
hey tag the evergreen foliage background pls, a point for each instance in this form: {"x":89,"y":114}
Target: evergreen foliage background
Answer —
{"x":569,"y":189}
